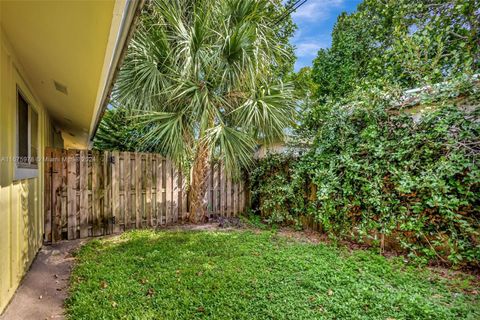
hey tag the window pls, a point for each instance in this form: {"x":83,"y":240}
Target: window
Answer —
{"x":27,"y":135}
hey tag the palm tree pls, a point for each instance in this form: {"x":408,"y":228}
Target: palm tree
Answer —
{"x":202,"y":76}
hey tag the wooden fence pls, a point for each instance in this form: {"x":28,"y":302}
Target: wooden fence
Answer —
{"x":91,"y":193}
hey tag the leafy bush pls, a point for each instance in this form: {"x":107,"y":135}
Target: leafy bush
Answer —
{"x":273,"y":191}
{"x":409,"y":173}
{"x":409,"y":43}
{"x":117,"y":131}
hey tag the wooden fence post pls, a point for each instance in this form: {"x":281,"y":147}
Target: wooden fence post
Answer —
{"x":168,"y":191}
{"x":138,"y":191}
{"x":71,"y":194}
{"x":216,"y":189}
{"x":148,"y":189}
{"x":222,"y":190}
{"x":115,"y":200}
{"x":83,"y":211}
{"x":159,"y":190}
{"x":127,"y":184}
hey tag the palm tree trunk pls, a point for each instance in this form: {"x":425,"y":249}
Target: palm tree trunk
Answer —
{"x":198,"y":187}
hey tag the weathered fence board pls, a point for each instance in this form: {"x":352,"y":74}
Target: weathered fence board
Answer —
{"x":158,"y":190}
{"x":91,"y":193}
{"x":223,"y":194}
{"x":216,"y":188}
{"x":71,"y":183}
{"x":116,"y":192}
{"x":84,"y":207}
{"x":127,"y":176}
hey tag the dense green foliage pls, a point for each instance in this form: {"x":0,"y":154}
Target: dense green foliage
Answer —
{"x":274,"y":193}
{"x":204,"y":82}
{"x":382,"y":162}
{"x":377,"y":164}
{"x":408,"y":43}
{"x":374,"y":169}
{"x":117,"y":131}
{"x":247,"y":275}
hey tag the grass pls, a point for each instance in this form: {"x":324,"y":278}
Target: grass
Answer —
{"x":251,"y":275}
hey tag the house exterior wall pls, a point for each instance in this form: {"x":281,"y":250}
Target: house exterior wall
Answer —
{"x":277,"y":147}
{"x":21,"y":201}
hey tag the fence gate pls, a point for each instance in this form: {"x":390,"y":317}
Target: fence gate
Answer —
{"x":92,"y":193}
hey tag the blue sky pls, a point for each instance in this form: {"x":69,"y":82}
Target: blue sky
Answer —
{"x":315,"y":20}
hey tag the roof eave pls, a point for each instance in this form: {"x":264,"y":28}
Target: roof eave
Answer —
{"x":127,"y":28}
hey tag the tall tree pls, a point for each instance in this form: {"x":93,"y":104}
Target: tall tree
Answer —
{"x":404,"y":42}
{"x":204,"y":77}
{"x":117,"y":131}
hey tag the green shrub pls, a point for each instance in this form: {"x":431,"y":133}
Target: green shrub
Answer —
{"x":375,"y":170}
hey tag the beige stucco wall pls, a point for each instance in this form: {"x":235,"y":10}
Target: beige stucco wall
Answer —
{"x":277,"y":147}
{"x":21,"y":201}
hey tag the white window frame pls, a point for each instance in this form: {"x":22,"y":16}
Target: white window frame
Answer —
{"x":25,"y":170}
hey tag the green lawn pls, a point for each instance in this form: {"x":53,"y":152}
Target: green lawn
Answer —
{"x":248,"y":275}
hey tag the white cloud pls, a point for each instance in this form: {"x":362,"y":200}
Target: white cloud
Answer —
{"x":308,"y":48}
{"x":316,"y":9}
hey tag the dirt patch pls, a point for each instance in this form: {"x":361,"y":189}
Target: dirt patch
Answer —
{"x":192,"y":227}
{"x":461,"y":277}
{"x":216,"y":224}
{"x":43,"y":290}
{"x":303,"y":236}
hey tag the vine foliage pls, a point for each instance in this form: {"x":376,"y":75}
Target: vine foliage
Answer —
{"x":380,"y":167}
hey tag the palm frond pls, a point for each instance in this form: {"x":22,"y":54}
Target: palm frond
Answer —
{"x":167,"y":132}
{"x":232,"y":147}
{"x":202,"y":71}
{"x":267,"y":112}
